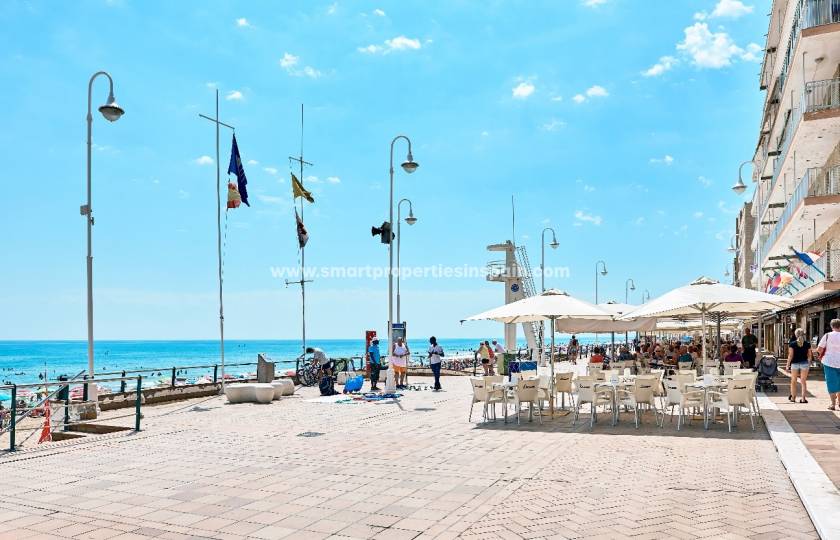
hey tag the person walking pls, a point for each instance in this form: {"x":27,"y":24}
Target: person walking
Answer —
{"x":484,"y":355}
{"x":492,"y":354}
{"x":573,"y":349}
{"x":499,"y":349}
{"x":375,"y":358}
{"x":829,"y":351}
{"x":399,"y":362}
{"x":749,"y":343}
{"x":798,"y":363}
{"x":435,"y":354}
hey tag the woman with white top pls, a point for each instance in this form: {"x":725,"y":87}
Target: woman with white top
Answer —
{"x":829,"y":351}
{"x":399,"y":362}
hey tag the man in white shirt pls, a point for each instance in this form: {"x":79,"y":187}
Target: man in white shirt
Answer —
{"x":435,"y":354}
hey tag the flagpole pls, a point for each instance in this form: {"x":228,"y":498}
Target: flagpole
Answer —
{"x":219,"y":237}
{"x":302,"y":281}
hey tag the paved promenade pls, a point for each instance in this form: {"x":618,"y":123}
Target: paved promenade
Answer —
{"x":413,"y":469}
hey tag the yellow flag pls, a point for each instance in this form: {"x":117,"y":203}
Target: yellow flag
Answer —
{"x":299,"y":191}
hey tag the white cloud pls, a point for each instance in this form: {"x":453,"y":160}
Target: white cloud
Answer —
{"x":597,"y":91}
{"x":203,"y":160}
{"x":252,"y":162}
{"x":750,"y":55}
{"x":523,"y":90}
{"x":704,"y":181}
{"x":727,"y":209}
{"x":271,"y":199}
{"x":331,"y":10}
{"x":592,"y":91}
{"x":234,"y":95}
{"x":378,"y":12}
{"x":594,"y":3}
{"x":708,"y":49}
{"x":399,"y":43}
{"x":243,"y":23}
{"x":701,"y":16}
{"x":183,"y":194}
{"x":270,"y":170}
{"x":582,"y":216}
{"x":731,"y":8}
{"x":485,"y":133}
{"x":333,"y":179}
{"x":666,"y":160}
{"x":665,"y":64}
{"x":698,"y":215}
{"x":556,"y":98}
{"x":639,"y":220}
{"x":553,"y":125}
{"x":211,"y":85}
{"x":289,"y":62}
{"x":312,"y":179}
{"x":588,"y":188}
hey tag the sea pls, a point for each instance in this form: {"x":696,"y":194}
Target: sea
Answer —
{"x":23,"y":362}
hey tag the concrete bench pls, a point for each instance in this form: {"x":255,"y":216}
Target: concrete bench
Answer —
{"x":249,"y":392}
{"x":283,"y":387}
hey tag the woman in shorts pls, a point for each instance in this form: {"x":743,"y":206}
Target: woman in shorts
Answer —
{"x":798,"y":363}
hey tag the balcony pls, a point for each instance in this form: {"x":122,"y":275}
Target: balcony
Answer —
{"x":813,"y":125}
{"x":823,"y":277}
{"x":812,"y":208}
{"x":809,"y":16}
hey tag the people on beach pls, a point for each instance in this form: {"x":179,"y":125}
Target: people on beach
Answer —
{"x":399,"y":361}
{"x":498,"y":348}
{"x":492,"y":354}
{"x":435,"y":355}
{"x":375,"y":359}
{"x":319,"y":356}
{"x":749,"y":343}
{"x":798,"y":364}
{"x":829,"y":351}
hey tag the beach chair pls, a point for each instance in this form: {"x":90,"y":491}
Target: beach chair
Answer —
{"x":588,"y":393}
{"x":527,"y":391}
{"x":736,"y":397}
{"x":486,"y":395}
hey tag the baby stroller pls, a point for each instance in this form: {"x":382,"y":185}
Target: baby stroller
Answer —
{"x":767,"y":369}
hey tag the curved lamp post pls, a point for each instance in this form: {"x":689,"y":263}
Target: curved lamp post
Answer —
{"x":645,"y":296}
{"x":409,"y":166}
{"x":603,"y":272}
{"x":411,"y":220}
{"x":739,"y":186}
{"x":112,"y":112}
{"x":629,"y":285}
{"x":732,"y":248}
{"x":554,"y":245}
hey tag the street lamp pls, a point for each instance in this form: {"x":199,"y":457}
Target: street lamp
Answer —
{"x":645,"y":296}
{"x":603,"y":273}
{"x":739,"y":186}
{"x":411,"y":220}
{"x":554,"y":245}
{"x":111,"y":112}
{"x":732,"y":248}
{"x":409,"y":166}
{"x":632,"y":287}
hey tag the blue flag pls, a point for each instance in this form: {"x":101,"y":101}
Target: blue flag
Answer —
{"x":236,"y":168}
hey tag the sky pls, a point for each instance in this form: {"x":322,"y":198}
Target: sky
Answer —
{"x":618,"y":123}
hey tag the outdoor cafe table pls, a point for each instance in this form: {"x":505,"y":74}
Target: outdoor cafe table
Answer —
{"x":613,"y":386}
{"x":505,"y":387}
{"x":706,"y":386}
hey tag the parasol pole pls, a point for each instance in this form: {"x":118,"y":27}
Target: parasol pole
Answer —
{"x":703,"y":338}
{"x":551,"y":383}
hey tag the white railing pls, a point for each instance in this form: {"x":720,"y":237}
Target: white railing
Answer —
{"x":822,"y":95}
{"x":816,"y":182}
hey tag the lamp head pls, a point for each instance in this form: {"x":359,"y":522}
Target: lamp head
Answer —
{"x":604,"y":271}
{"x":411,"y":220}
{"x":632,"y":286}
{"x":739,"y":187}
{"x":554,"y":244}
{"x":409,"y":165}
{"x":111,"y":111}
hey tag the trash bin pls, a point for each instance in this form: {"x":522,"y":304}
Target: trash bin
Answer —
{"x":504,"y":369}
{"x":64,"y":391}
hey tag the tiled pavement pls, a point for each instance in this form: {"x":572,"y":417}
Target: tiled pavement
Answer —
{"x":818,"y":427}
{"x":413,"y":469}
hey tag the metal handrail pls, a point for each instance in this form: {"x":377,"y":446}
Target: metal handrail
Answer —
{"x":822,"y":95}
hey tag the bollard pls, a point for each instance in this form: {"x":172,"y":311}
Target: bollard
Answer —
{"x":122,"y":383}
{"x":14,"y":419}
{"x":173,"y":377}
{"x":137,"y":403}
{"x":84,"y":390}
{"x":66,"y":408}
{"x":215,"y":373}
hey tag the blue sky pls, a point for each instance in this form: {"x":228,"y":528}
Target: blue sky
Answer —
{"x":619,"y":123}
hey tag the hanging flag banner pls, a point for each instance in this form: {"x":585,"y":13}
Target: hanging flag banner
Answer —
{"x":236,"y":168}
{"x":809,"y":258}
{"x":233,"y":199}
{"x":299,"y":191}
{"x":303,"y":236}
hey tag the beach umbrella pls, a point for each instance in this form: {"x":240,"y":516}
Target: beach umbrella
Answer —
{"x":704,"y":296}
{"x":550,"y":305}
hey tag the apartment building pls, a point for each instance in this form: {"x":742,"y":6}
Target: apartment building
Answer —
{"x":796,"y":203}
{"x":743,"y":263}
